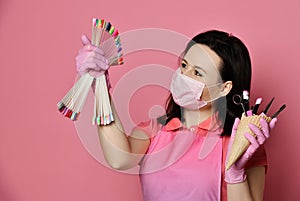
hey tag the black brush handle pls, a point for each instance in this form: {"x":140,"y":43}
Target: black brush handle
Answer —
{"x":280,"y":110}
{"x":268,"y":106}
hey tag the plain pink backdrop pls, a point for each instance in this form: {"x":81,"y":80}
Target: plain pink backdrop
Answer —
{"x":41,"y":155}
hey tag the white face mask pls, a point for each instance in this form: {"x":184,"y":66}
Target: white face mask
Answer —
{"x":186,"y":91}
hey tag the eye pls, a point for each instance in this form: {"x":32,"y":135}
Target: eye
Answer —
{"x":183,"y":64}
{"x":197,"y":73}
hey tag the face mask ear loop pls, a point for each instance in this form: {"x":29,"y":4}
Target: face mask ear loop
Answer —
{"x":210,"y":86}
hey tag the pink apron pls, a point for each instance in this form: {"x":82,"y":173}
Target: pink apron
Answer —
{"x":183,"y":165}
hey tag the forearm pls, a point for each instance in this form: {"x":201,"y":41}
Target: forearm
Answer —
{"x":121,"y":151}
{"x":239,"y":192}
{"x":114,"y":142}
{"x":251,"y":189}
{"x":115,"y":145}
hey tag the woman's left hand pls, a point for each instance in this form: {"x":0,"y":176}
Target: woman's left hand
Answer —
{"x":236,"y":173}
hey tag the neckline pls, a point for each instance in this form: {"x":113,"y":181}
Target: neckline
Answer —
{"x":211,"y":124}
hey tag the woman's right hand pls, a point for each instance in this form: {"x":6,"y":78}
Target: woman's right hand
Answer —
{"x":91,"y":59}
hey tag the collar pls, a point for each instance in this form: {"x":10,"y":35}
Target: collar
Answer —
{"x":210,"y":124}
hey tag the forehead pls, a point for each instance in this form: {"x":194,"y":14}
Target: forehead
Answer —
{"x":201,"y":55}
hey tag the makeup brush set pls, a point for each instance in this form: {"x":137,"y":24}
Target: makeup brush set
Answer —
{"x":249,"y":116}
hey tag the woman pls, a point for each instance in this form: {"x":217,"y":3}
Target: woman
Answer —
{"x":182,"y":154}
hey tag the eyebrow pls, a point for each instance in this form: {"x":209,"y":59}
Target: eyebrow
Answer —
{"x":196,"y":66}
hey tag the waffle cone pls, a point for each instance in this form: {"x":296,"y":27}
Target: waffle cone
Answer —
{"x":240,"y":142}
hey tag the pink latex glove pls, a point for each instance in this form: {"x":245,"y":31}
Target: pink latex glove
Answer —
{"x":91,"y":59}
{"x":236,"y":173}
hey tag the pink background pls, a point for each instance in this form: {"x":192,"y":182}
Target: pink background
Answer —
{"x":41,"y":155}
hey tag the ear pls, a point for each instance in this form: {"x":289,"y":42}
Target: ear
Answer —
{"x":227,"y":86}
